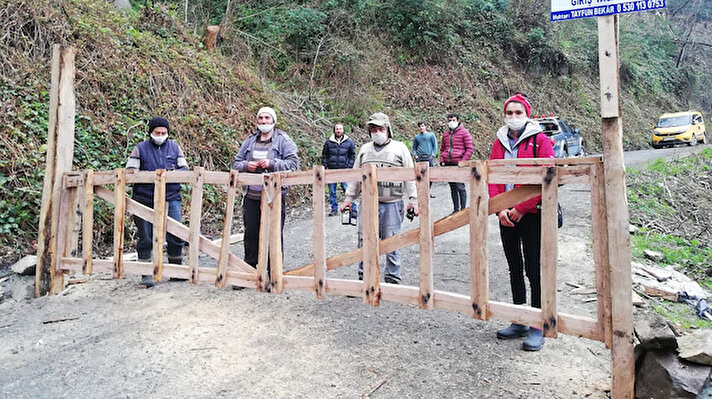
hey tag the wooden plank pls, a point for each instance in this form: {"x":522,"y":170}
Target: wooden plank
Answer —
{"x":196,"y":209}
{"x":574,"y":174}
{"x":590,"y":160}
{"x":427,"y":246}
{"x":60,"y":241}
{"x":450,"y":173}
{"x":579,"y":326}
{"x":119,"y":215}
{"x":134,"y":176}
{"x":159,"y":226}
{"x":218,"y":178}
{"x":102,"y":178}
{"x":442,"y":226}
{"x":207,"y":275}
{"x":622,"y":358}
{"x":301,"y":177}
{"x":343,"y":287}
{"x":74,"y":222}
{"x":512,"y":175}
{"x":60,"y":142}
{"x":44,"y":259}
{"x":275,"y":232}
{"x":521,"y":314}
{"x":263,"y":281}
{"x":600,"y":251}
{"x":88,"y":221}
{"x":396,"y":174}
{"x":342,"y":175}
{"x":549,"y":242}
{"x":220,"y":279}
{"x":369,"y":226}
{"x":400,"y":294}
{"x":177,"y":229}
{"x":608,"y":63}
{"x":319,"y":236}
{"x":479,"y":276}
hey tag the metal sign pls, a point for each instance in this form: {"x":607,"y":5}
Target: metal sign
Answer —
{"x":572,"y":9}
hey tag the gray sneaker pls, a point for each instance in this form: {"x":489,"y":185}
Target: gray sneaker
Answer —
{"x":513,"y":331}
{"x":534,"y":341}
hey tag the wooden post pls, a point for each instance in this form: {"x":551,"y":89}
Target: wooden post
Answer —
{"x":275,"y":234}
{"x":119,"y":215}
{"x":422,"y":182}
{"x":263,"y":283}
{"x":60,"y":152}
{"x":74,"y":221}
{"x":232,"y":186}
{"x":600,"y":250}
{"x":548,"y":256}
{"x":210,"y":39}
{"x":479,"y":209}
{"x":88,"y":221}
{"x":318,"y":231}
{"x":369,"y":226}
{"x":196,"y":208}
{"x":159,"y":224}
{"x":622,"y":360}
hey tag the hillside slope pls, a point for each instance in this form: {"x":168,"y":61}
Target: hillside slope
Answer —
{"x":317,"y":62}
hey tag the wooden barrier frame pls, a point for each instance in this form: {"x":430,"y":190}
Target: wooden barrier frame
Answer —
{"x":64,"y":191}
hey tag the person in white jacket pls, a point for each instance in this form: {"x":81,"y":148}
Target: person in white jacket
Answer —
{"x":384,"y":151}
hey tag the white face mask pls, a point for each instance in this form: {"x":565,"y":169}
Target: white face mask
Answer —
{"x":159,"y":140}
{"x":515,"y":123}
{"x":453,"y":125}
{"x":266,"y":128}
{"x":379,"y":138}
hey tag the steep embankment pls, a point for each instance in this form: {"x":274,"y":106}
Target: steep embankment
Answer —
{"x":317,"y":62}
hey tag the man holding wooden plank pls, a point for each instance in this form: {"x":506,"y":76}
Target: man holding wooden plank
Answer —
{"x":383,"y":151}
{"x":158,"y":152}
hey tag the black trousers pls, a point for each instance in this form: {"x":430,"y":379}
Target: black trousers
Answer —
{"x":522,"y":247}
{"x":459,"y":196}
{"x":251,"y":217}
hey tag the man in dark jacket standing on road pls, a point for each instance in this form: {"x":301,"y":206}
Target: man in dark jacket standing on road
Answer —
{"x":456,"y":146}
{"x":338,"y":153}
{"x":158,"y":152}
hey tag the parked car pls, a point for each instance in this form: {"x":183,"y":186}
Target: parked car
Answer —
{"x":567,"y":142}
{"x":679,"y":128}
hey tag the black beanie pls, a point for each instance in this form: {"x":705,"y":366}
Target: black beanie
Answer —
{"x":158,"y":122}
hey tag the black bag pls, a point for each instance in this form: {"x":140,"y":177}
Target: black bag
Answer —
{"x":559,"y":213}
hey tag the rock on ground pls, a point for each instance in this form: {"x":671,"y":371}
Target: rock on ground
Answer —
{"x":663,"y":375}
{"x":697,"y":347}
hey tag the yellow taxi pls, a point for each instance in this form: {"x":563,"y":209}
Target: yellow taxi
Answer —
{"x":679,"y":128}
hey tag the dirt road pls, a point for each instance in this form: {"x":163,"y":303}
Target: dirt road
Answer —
{"x":180,"y":340}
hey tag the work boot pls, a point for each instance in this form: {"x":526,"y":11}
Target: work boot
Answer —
{"x":534,"y":341}
{"x":333,"y":212}
{"x":147,"y":281}
{"x":391,"y":280}
{"x":176,"y":260}
{"x":513,"y":331}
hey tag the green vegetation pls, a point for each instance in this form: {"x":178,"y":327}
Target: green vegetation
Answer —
{"x":318,"y":62}
{"x":670,"y":201}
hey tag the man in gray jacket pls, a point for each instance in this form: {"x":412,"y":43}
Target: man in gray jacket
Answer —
{"x":267,"y":150}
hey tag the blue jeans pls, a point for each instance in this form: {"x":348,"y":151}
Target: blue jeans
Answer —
{"x":332,"y":197}
{"x":144,"y":246}
{"x":390,"y":220}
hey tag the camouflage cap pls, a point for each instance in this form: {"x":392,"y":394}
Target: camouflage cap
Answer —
{"x":380,"y":119}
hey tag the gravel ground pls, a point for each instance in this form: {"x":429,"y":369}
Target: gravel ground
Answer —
{"x":181,"y":340}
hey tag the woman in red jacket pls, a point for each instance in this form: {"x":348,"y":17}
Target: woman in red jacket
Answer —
{"x":520,"y":226}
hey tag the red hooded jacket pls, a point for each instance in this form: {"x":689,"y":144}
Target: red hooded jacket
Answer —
{"x":525,"y":149}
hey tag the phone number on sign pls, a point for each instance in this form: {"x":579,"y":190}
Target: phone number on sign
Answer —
{"x":640,"y":5}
